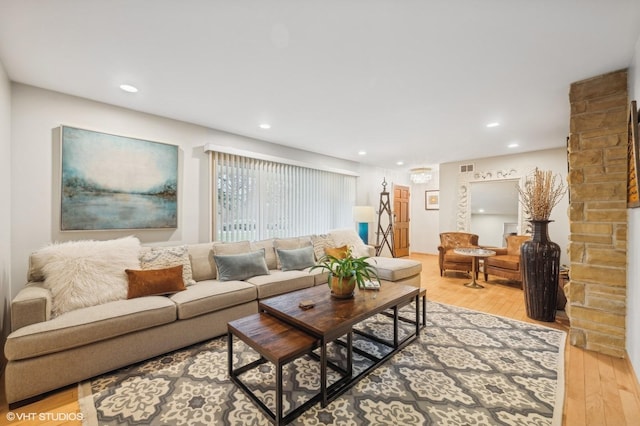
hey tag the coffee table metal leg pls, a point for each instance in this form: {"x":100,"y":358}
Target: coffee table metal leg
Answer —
{"x":418,"y":315}
{"x":323,"y":372}
{"x":349,"y":354}
{"x":230,"y":352}
{"x":395,"y":326}
{"x":278,"y":421}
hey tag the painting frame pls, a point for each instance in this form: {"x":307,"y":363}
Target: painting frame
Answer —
{"x":432,"y":200}
{"x":113,"y":182}
{"x":633,"y":190}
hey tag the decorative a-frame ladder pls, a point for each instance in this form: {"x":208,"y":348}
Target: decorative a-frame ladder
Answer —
{"x":387,"y":234}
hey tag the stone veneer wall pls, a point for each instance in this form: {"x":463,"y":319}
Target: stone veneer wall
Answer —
{"x":597,"y":209}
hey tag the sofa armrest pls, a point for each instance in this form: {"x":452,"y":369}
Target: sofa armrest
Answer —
{"x":31,"y":305}
{"x":371,"y":250}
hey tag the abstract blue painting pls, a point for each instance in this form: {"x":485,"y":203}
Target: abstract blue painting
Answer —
{"x":117,"y":182}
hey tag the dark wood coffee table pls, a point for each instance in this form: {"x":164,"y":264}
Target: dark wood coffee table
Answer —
{"x":282,"y":331}
{"x":276,"y":342}
{"x":333,"y":318}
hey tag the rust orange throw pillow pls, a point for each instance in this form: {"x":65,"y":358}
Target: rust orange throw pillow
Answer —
{"x":153,"y":282}
{"x":337,"y":252}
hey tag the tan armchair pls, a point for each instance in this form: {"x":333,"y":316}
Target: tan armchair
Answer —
{"x":449,"y":241}
{"x":506,"y":262}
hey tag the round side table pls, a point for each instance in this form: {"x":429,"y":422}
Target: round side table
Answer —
{"x":476,"y":253}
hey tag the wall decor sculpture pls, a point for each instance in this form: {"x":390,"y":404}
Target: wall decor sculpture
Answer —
{"x":116,"y":182}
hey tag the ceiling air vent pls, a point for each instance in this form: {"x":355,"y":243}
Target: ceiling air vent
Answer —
{"x":464,"y":168}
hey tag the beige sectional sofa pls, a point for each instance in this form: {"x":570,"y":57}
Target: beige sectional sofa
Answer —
{"x":46,"y":352}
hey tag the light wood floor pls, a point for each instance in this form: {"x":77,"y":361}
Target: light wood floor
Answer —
{"x":599,"y":390}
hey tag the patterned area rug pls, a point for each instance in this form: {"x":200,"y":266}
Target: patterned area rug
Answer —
{"x":467,"y":368}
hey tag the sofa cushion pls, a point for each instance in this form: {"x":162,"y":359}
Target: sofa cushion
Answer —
{"x":507,"y":261}
{"x":88,"y":325}
{"x":155,"y":282}
{"x":320,"y":276}
{"x":210,"y":296}
{"x":87,"y":272}
{"x":394,"y":269}
{"x":453,"y":257}
{"x":269,"y":251}
{"x":203,"y":266}
{"x":296,"y":259}
{"x":241,"y":266}
{"x":237,"y":247}
{"x":279,"y":282}
{"x":289,"y":244}
{"x":166,"y":257}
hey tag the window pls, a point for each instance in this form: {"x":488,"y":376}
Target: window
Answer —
{"x":256,"y":199}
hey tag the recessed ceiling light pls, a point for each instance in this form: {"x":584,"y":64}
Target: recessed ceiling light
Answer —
{"x":265,"y":126}
{"x":513,"y":145}
{"x":400,"y":163}
{"x":128,"y":88}
{"x":494,"y":124}
{"x":362,"y":152}
{"x":480,"y":210}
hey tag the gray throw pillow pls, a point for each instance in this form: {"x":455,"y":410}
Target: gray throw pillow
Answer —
{"x":241,"y":266}
{"x":296,"y":259}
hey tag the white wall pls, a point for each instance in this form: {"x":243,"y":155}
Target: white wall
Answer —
{"x":36,"y":112}
{"x":633,"y":244}
{"x":5,"y":196}
{"x":425,"y":224}
{"x":551,"y":159}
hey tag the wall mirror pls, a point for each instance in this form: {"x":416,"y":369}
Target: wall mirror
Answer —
{"x":488,"y":205}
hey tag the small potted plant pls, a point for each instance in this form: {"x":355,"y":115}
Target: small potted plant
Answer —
{"x":347,"y":272}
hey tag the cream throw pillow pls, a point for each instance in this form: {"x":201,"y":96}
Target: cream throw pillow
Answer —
{"x":320,"y":244}
{"x":87,"y":273}
{"x":166,"y":257}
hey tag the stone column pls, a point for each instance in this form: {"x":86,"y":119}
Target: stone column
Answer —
{"x":598,"y":218}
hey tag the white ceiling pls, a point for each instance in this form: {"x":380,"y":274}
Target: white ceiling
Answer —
{"x":402,"y":79}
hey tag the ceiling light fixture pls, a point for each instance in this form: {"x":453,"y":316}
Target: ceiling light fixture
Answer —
{"x":513,"y":145}
{"x":265,"y":126}
{"x":128,"y":88}
{"x":421,"y":174}
{"x":400,"y":163}
{"x":362,"y":152}
{"x":494,"y":124}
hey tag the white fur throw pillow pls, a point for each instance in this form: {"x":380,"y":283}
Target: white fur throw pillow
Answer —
{"x":87,"y":273}
{"x":349,"y":237}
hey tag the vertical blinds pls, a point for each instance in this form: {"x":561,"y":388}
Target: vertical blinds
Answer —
{"x":256,"y":199}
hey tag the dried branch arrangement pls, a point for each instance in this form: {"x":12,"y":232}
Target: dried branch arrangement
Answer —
{"x":541,"y":193}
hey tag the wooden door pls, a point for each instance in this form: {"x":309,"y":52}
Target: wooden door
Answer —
{"x":401,"y":220}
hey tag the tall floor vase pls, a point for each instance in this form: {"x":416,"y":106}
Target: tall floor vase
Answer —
{"x":540,"y":259}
